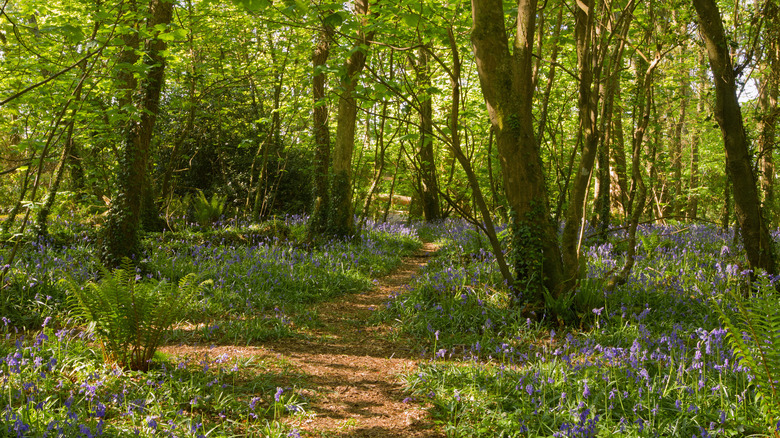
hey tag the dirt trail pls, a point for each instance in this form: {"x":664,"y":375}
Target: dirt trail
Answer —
{"x":352,"y":372}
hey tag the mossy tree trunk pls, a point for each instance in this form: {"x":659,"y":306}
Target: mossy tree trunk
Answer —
{"x":429,"y":186}
{"x":319,"y":216}
{"x":121,"y":233}
{"x":341,"y":219}
{"x":506,"y":84}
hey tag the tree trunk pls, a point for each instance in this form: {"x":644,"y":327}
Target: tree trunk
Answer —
{"x":487,"y":219}
{"x":693,"y":185}
{"x":389,"y":204}
{"x":618,"y":178}
{"x":607,"y":91}
{"x":341,"y":220}
{"x":379,"y":160}
{"x":755,"y":234}
{"x":429,"y":187}
{"x":191,"y":106}
{"x":319,"y":216}
{"x":506,"y":85}
{"x":550,"y":78}
{"x":638,"y":187}
{"x":677,"y":199}
{"x":41,"y":224}
{"x":272,"y":146}
{"x":121,"y":234}
{"x":587,"y":104}
{"x":9,"y":221}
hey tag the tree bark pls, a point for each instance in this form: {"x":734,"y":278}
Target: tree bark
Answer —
{"x":678,"y":200}
{"x":607,"y":90}
{"x":550,"y":78}
{"x":638,"y":187}
{"x":341,"y":220}
{"x":487,"y":219}
{"x":121,"y":234}
{"x":755,"y":234}
{"x":587,"y":104}
{"x":618,"y":177}
{"x":429,"y":187}
{"x":319,"y":216}
{"x":506,"y":85}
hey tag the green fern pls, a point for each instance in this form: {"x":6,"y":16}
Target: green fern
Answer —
{"x":130,"y":317}
{"x":650,"y":242}
{"x":207,"y":212}
{"x":759,"y":318}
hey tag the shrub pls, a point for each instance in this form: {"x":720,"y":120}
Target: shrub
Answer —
{"x":131,"y":317}
{"x":754,"y":335}
{"x":207,"y":212}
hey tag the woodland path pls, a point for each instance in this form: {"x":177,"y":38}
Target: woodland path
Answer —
{"x":351,"y":370}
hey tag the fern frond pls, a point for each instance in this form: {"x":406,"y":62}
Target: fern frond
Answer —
{"x":759,"y":319}
{"x":131,"y":317}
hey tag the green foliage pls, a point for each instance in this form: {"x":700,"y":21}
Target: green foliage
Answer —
{"x":526,"y":251}
{"x":131,"y":317}
{"x":754,"y":334}
{"x":207,"y":212}
{"x":26,"y":300}
{"x":652,"y":241}
{"x":186,"y":396}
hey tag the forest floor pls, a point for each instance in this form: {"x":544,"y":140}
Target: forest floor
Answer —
{"x":346,"y":369}
{"x":353,"y":369}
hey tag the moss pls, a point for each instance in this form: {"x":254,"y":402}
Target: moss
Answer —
{"x":341,"y":220}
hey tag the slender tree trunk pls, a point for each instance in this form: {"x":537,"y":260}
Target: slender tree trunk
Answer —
{"x":550,"y":78}
{"x":677,"y":199}
{"x":638,"y":187}
{"x":342,"y":221}
{"x":191,"y":107}
{"x":429,"y":187}
{"x":506,"y":85}
{"x":755,"y":234}
{"x":479,"y":198}
{"x":379,"y":161}
{"x":587,"y":104}
{"x":607,"y":90}
{"x":9,"y":221}
{"x":41,"y":220}
{"x":121,"y":233}
{"x":618,"y":177}
{"x":693,"y":185}
{"x":392,"y":185}
{"x":272,"y":146}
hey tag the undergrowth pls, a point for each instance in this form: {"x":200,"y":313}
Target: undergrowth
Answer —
{"x":650,"y":358}
{"x":55,"y":381}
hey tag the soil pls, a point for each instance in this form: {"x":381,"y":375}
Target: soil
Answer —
{"x":353,"y":369}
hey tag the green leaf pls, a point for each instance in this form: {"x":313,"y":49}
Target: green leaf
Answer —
{"x":253,"y":5}
{"x":72,"y":33}
{"x":334,"y":20}
{"x":411,"y":20}
{"x":168,"y":36}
